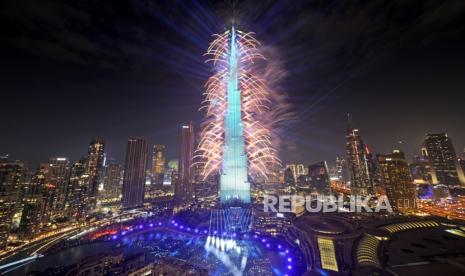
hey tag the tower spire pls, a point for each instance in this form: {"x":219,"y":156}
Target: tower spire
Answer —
{"x":233,"y":141}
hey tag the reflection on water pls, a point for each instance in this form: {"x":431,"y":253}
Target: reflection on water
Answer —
{"x":218,"y":256}
{"x":65,"y":257}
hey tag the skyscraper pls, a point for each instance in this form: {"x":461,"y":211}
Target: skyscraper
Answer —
{"x":289,"y":179}
{"x":441,"y":154}
{"x":197,"y":174}
{"x":184,"y":188}
{"x":397,"y":180}
{"x":357,"y":162}
{"x":373,"y":168}
{"x":158,"y":164}
{"x":341,"y":169}
{"x":56,"y":172}
{"x":33,"y":206}
{"x":235,"y":141}
{"x":77,"y":199}
{"x":11,"y":178}
{"x":134,"y":172}
{"x":112,"y":181}
{"x":234,"y":176}
{"x":94,"y":168}
{"x":318,"y":178}
{"x":297,"y":170}
{"x":420,"y":168}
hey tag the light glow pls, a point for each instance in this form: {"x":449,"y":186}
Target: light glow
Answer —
{"x":233,"y":140}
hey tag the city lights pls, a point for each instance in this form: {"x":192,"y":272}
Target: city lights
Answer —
{"x":236,"y":138}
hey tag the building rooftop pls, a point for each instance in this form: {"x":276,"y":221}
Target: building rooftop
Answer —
{"x":322,"y":225}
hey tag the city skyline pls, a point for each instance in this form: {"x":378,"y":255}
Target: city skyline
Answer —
{"x":133,"y":90}
{"x":232,"y":138}
{"x":396,"y":145}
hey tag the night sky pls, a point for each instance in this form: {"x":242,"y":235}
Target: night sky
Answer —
{"x":73,"y":70}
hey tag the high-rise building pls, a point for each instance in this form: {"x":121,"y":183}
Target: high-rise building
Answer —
{"x":420,"y":169}
{"x":112,"y":181}
{"x":275,"y":175}
{"x":373,"y":168}
{"x":171,"y":174}
{"x":197,"y":174}
{"x":184,"y":188}
{"x":318,"y":178}
{"x":297,"y":170}
{"x":235,"y":141}
{"x":134,"y":172}
{"x":289,"y":179}
{"x":33,"y":206}
{"x":357,"y":162}
{"x":341,"y":172}
{"x":397,"y":180}
{"x":56,"y":173}
{"x":94,"y":167}
{"x":158,"y":164}
{"x":11,"y":178}
{"x":78,"y":199}
{"x":441,"y":154}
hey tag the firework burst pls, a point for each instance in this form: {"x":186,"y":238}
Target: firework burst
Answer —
{"x":254,"y":102}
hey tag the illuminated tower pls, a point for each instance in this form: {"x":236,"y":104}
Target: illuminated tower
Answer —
{"x":94,"y":168}
{"x":341,"y":169}
{"x":357,"y":161}
{"x":56,"y":173}
{"x":134,"y":173}
{"x":297,"y":170}
{"x":397,"y":180}
{"x":441,"y":154}
{"x":33,"y":206}
{"x":112,"y":180}
{"x":158,"y":163}
{"x":234,"y":141}
{"x":77,"y":200}
{"x":184,"y":188}
{"x":11,"y":178}
{"x":233,"y":181}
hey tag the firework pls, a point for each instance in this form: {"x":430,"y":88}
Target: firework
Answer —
{"x":235,"y":97}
